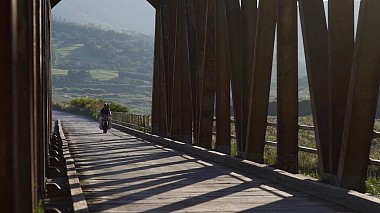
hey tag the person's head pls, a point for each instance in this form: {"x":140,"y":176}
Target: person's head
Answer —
{"x":105,"y":105}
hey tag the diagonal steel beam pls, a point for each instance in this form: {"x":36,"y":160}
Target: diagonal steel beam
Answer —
{"x":260,"y":86}
{"x":314,"y":32}
{"x":362,"y":99}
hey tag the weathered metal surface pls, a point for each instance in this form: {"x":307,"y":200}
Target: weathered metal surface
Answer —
{"x":235,"y":43}
{"x":287,"y":86}
{"x":260,"y":86}
{"x":362,"y":99}
{"x":248,"y":19}
{"x":222,"y":69}
{"x":207,"y":100}
{"x":314,"y":32}
{"x":341,"y":46}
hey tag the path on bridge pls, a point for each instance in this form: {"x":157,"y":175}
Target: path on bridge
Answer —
{"x":121,"y":173}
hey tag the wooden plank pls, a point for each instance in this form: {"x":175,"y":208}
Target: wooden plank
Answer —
{"x":287,"y":86}
{"x":235,"y":43}
{"x":314,"y":32}
{"x":249,"y":19}
{"x":223,"y":66}
{"x":341,"y":47}
{"x":207,"y":100}
{"x":362,"y":101}
{"x":125,"y":173}
{"x":259,"y":91}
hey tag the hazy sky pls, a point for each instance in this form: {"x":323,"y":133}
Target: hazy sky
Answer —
{"x":137,"y":15}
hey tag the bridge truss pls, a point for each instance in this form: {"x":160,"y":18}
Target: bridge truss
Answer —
{"x":206,"y":50}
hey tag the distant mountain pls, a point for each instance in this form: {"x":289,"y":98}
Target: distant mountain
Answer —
{"x":136,"y":15}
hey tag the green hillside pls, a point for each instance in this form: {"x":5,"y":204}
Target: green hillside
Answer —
{"x":91,"y":61}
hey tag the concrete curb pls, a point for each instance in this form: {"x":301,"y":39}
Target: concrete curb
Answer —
{"x":348,"y":198}
{"x":77,"y":196}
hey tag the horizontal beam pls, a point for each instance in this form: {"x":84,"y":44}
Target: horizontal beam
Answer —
{"x":54,"y":2}
{"x":153,"y":2}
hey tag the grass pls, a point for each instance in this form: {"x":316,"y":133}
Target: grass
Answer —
{"x":67,"y":50}
{"x":103,"y":74}
{"x":59,"y":72}
{"x":307,"y":162}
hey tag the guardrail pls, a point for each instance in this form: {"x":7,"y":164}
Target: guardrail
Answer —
{"x":143,"y":123}
{"x":135,"y":121}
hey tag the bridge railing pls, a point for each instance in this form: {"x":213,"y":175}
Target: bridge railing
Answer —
{"x":143,"y":123}
{"x":135,"y":121}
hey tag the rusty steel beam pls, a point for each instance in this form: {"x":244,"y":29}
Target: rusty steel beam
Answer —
{"x":186,"y":105}
{"x":233,"y":12}
{"x":314,"y":31}
{"x":249,"y":19}
{"x":207,"y":100}
{"x":362,"y":99}
{"x":287,"y":86}
{"x":223,"y":66}
{"x":341,"y":47}
{"x":260,"y":86}
{"x":201,"y":9}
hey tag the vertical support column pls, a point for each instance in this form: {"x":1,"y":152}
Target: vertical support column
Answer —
{"x":223,"y":66}
{"x":156,"y":77}
{"x":8,"y":179}
{"x":177,"y":78}
{"x":172,"y":28}
{"x":192,"y":46}
{"x":362,"y":99}
{"x":259,"y":92}
{"x":235,"y":43}
{"x":201,"y":9}
{"x":341,"y":47}
{"x":186,"y":105}
{"x":287,"y":86}
{"x":17,"y":192}
{"x":314,"y":32}
{"x":249,"y":19}
{"x":208,"y":84}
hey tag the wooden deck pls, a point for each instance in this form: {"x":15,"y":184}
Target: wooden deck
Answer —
{"x":121,"y":173}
